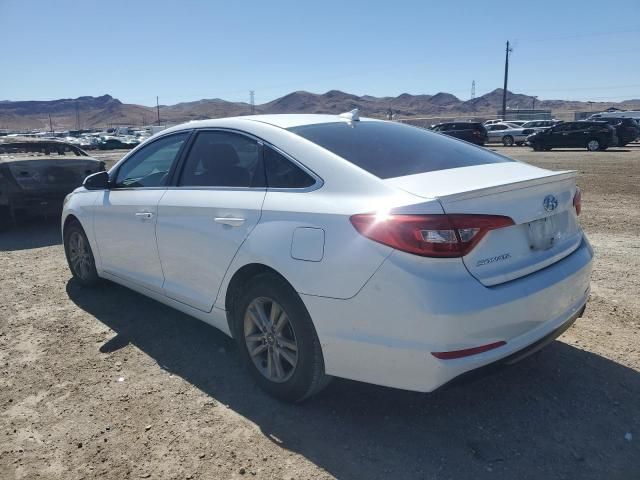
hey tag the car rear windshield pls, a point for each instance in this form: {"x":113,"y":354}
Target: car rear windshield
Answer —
{"x":389,"y":150}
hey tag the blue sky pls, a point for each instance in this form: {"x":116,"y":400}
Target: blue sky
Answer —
{"x":187,"y":50}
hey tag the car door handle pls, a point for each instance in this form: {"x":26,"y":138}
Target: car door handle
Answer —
{"x":231,"y":221}
{"x":144,"y":215}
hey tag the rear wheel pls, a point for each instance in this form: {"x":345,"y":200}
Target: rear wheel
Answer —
{"x":507,"y":141}
{"x":593,"y":145}
{"x":79,"y":255}
{"x":277,"y":339}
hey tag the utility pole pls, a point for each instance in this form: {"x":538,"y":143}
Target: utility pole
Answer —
{"x":252,"y":101}
{"x":506,"y":77}
{"x":535,"y":97}
{"x":50,"y":124}
{"x":158,"y":109}
{"x":473,"y":89}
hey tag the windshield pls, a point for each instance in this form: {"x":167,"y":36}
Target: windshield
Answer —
{"x":389,"y":150}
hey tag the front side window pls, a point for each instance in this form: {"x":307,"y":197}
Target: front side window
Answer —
{"x":150,"y":166}
{"x":282,"y":173}
{"x":390,"y":150}
{"x":223,"y":159}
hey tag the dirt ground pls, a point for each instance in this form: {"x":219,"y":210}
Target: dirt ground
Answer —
{"x":109,"y":384}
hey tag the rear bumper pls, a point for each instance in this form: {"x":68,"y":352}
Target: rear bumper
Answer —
{"x":514,"y":358}
{"x":413,"y":306}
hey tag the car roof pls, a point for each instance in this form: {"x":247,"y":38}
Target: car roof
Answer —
{"x":277,"y":120}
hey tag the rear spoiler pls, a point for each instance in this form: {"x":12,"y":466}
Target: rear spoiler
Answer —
{"x":551,"y":177}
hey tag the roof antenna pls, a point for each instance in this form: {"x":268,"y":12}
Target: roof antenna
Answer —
{"x":352,"y":116}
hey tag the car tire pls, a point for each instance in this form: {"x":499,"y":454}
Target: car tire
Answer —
{"x":537,"y":147}
{"x":507,"y":141}
{"x":277,"y":340}
{"x":6,"y":220}
{"x":79,"y":255}
{"x":593,"y":145}
{"x":519,"y":144}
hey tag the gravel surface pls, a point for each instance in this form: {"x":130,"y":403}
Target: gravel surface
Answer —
{"x":106,"y":383}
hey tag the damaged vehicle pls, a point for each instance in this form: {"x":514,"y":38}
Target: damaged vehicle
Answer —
{"x":36,"y":175}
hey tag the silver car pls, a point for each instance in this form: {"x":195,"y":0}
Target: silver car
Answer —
{"x":507,"y":134}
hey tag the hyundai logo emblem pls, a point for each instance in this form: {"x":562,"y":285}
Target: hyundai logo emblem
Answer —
{"x":550,"y":203}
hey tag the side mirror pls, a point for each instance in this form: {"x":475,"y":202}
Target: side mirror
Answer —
{"x":97,"y":181}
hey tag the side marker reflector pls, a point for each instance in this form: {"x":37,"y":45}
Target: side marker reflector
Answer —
{"x":467,"y":352}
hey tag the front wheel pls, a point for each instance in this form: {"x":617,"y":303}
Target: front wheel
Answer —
{"x":593,"y":145}
{"x":79,"y":255}
{"x":537,"y":147}
{"x":277,"y":339}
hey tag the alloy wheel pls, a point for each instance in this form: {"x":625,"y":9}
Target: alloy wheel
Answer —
{"x":593,"y":145}
{"x":80,"y":255}
{"x":270,"y":339}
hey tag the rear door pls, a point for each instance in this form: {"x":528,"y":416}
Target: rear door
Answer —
{"x":205,"y":218}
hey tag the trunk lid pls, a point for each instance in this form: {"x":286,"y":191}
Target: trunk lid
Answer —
{"x":540,"y":202}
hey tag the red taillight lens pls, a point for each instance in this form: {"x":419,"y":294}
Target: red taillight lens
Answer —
{"x":452,"y":235}
{"x":577,"y":201}
{"x":467,"y":352}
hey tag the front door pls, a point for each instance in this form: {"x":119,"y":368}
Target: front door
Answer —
{"x":125,"y":215}
{"x":203,"y":221}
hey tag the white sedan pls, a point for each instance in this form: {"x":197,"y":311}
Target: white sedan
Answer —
{"x":337,"y":246}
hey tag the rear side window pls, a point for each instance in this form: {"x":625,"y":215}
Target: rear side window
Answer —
{"x":223,"y":159}
{"x":389,"y":150}
{"x":282,"y":173}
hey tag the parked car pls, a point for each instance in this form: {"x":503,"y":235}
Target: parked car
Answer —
{"x":336,"y":246}
{"x":473,"y":132}
{"x":538,"y":125}
{"x":581,"y":134}
{"x":634,"y":114}
{"x":36,"y":175}
{"x":112,"y":143}
{"x":506,"y":133}
{"x":627,"y":129}
{"x":517,"y":123}
{"x":492,"y":122}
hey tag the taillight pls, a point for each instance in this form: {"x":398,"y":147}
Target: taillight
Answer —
{"x":452,"y":235}
{"x":577,"y":200}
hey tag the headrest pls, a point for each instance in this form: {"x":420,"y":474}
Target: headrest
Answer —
{"x":219,"y":156}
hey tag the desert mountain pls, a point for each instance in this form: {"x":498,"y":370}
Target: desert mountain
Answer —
{"x":105,"y":110}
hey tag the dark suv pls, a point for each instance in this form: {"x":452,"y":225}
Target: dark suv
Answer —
{"x":585,"y":134}
{"x":473,"y":132}
{"x":627,"y":129}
